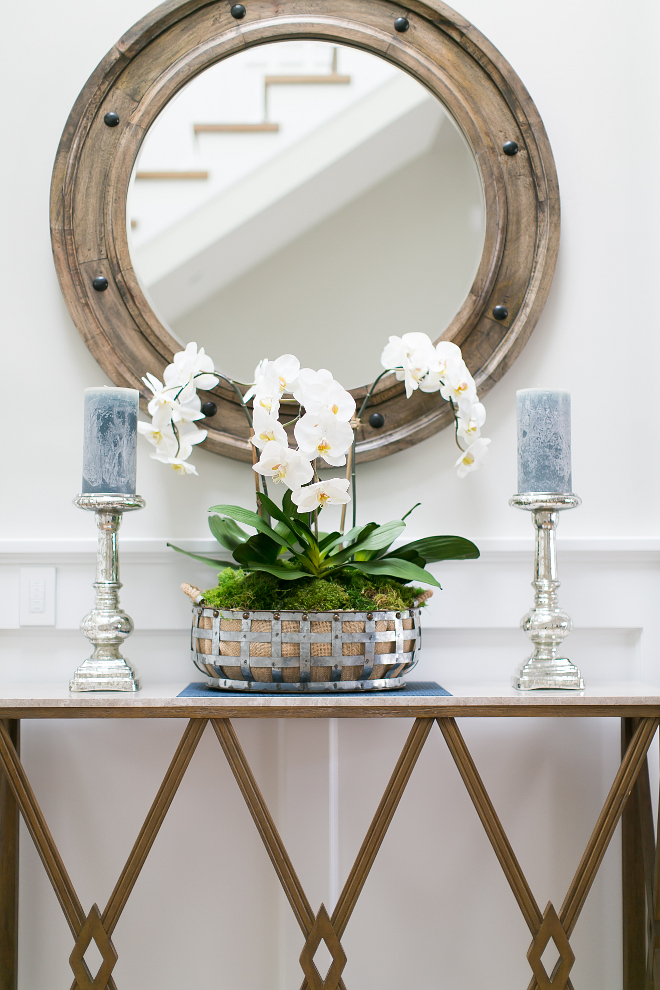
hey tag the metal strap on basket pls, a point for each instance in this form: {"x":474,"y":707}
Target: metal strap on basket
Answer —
{"x":213,"y":663}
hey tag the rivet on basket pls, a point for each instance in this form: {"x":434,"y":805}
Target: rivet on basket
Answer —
{"x":215,"y":615}
{"x":336,"y":617}
{"x":370,"y":616}
{"x":276,"y":615}
{"x":304,"y":618}
{"x":246,"y":615}
{"x":398,"y":615}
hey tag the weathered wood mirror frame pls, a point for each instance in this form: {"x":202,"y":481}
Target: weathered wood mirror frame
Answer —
{"x":178,"y":40}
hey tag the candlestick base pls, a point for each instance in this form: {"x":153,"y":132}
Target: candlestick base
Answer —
{"x":556,"y":674}
{"x":546,"y":624}
{"x":107,"y":625}
{"x":111,"y":674}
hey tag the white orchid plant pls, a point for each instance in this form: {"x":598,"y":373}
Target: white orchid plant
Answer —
{"x":325,"y":431}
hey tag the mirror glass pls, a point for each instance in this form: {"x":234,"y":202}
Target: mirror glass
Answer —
{"x":306,"y":198}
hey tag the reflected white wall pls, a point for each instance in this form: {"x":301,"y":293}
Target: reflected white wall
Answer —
{"x":401,"y":257}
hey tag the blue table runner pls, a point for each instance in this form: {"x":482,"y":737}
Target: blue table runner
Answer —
{"x":413,"y":689}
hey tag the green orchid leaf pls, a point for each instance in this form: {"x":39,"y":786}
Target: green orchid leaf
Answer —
{"x":290,"y":509}
{"x":405,"y":553}
{"x":227,"y":532}
{"x":383,"y":536}
{"x":415,"y":506}
{"x":249,"y":519}
{"x":434,"y":548}
{"x":329,"y":540}
{"x":211,"y":561}
{"x":283,"y":530}
{"x":285,"y":573}
{"x":259,"y":548}
{"x":349,"y":537}
{"x":392,"y":567}
{"x":297,"y":527}
{"x":340,"y":556}
{"x":277,"y":513}
{"x":373,"y":537}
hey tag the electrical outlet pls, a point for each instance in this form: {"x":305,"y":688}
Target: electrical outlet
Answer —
{"x":37,"y":606}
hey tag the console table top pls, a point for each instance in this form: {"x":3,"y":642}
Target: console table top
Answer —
{"x":624,"y":699}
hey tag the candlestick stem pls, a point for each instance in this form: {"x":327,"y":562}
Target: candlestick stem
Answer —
{"x":546,"y":623}
{"x":107,"y":625}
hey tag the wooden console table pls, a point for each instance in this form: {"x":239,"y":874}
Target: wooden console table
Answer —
{"x":630,"y":797}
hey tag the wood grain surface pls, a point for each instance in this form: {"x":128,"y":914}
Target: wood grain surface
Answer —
{"x":329,"y":707}
{"x":9,"y":874}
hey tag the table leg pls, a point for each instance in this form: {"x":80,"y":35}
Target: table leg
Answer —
{"x":9,"y":822}
{"x":638,"y":868}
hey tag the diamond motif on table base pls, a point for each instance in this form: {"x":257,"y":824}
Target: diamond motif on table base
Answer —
{"x":323,"y":931}
{"x":93,"y":929}
{"x":551,"y":929}
{"x":320,"y":928}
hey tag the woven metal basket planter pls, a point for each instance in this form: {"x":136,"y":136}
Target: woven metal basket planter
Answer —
{"x":295,"y":652}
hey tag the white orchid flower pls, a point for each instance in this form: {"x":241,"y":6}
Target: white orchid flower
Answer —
{"x":190,"y":369}
{"x":282,"y":464}
{"x":178,"y":464}
{"x":164,"y":407}
{"x":334,"y":491}
{"x":470,"y":458}
{"x":319,"y":393}
{"x":412,"y":358}
{"x":187,"y":436}
{"x":446,"y":353}
{"x":268,"y":400}
{"x":399,"y":348}
{"x":324,"y":436}
{"x":471,"y":417}
{"x":274,"y":377}
{"x":267,"y":427}
{"x":458,"y":383}
{"x":160,"y":436}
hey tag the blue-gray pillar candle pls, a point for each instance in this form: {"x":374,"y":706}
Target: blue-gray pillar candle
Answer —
{"x":544,"y":441}
{"x":110,"y":444}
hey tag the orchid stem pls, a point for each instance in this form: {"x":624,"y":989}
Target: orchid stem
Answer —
{"x":255,"y":458}
{"x":316,"y":511}
{"x":370,"y":392}
{"x":453,"y":409}
{"x":238,"y":393}
{"x":353,"y":487}
{"x":350,"y":467}
{"x":349,"y":462}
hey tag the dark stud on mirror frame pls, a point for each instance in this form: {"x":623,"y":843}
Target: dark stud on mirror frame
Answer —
{"x":100,"y":283}
{"x":500,"y":312}
{"x":401,"y":24}
{"x":510,"y":148}
{"x":238,"y":11}
{"x":111,"y":119}
{"x":209,"y":408}
{"x":376,"y":420}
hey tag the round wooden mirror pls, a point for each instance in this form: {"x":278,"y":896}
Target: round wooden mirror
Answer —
{"x":424,"y":49}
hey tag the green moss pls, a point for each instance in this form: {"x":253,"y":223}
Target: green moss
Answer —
{"x":349,"y":590}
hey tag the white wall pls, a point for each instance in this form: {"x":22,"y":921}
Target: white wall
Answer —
{"x":594,"y":78}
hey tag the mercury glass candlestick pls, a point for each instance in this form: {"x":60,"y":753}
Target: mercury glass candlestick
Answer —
{"x":544,"y":488}
{"x":107,"y":625}
{"x":546,"y":624}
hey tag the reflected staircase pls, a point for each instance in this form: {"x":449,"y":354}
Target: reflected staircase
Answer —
{"x":332,"y":78}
